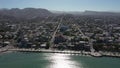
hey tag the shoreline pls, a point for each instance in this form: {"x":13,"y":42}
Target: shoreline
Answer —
{"x":93,"y":54}
{"x":5,"y":52}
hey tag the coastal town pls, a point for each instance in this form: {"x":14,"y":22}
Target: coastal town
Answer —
{"x":92,"y":34}
{"x":59,"y":34}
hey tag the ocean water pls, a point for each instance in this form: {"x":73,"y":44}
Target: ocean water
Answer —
{"x":52,"y":60}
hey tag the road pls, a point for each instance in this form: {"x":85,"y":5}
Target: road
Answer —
{"x":56,"y":30}
{"x":90,"y":40}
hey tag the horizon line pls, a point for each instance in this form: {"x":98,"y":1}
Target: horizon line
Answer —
{"x":63,"y":10}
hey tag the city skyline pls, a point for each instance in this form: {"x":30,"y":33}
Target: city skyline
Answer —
{"x":64,"y":5}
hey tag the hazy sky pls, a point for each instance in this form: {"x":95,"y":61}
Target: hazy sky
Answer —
{"x":64,"y":5}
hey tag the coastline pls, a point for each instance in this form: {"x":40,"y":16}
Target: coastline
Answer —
{"x":93,"y":54}
{"x":5,"y":52}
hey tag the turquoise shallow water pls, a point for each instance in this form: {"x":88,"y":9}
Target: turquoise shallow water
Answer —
{"x":49,"y":60}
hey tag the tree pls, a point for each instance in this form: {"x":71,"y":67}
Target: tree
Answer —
{"x":47,"y":45}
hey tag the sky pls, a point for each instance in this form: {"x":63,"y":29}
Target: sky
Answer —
{"x":64,"y":5}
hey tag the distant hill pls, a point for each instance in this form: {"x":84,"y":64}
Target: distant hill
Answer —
{"x":88,"y":13}
{"x":25,"y":13}
{"x":101,"y":13}
{"x":32,"y":13}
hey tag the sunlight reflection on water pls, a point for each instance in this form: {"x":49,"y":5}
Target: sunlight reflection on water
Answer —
{"x":64,"y":61}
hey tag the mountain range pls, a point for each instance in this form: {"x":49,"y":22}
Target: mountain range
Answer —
{"x":26,"y":12}
{"x":30,"y":13}
{"x":87,"y":12}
